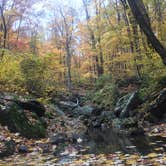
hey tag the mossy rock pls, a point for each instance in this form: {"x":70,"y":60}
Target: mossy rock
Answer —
{"x":106,"y":97}
{"x":127,"y":126}
{"x":17,"y":121}
{"x":7,"y":148}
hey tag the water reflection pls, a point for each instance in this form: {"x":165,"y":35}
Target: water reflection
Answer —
{"x":108,"y":141}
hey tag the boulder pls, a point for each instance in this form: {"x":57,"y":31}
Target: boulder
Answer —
{"x":126,"y":105}
{"x":45,"y":147}
{"x":17,"y":121}
{"x":77,"y":138}
{"x":67,"y":106}
{"x":59,"y":138}
{"x":33,"y":106}
{"x":26,"y":104}
{"x":127,"y":126}
{"x":108,"y":115}
{"x":87,"y":110}
{"x":7,"y":148}
{"x":96,"y":124}
{"x":23,"y":149}
{"x":57,"y":110}
{"x":158,"y":107}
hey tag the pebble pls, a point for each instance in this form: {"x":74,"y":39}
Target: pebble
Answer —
{"x":23,"y":149}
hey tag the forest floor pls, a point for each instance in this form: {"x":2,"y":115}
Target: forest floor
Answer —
{"x":40,"y":151}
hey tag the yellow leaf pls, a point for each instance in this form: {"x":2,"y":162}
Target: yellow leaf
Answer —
{"x":152,"y":155}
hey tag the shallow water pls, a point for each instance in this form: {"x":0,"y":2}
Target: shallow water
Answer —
{"x":105,"y":143}
{"x":108,"y":141}
{"x":101,"y":148}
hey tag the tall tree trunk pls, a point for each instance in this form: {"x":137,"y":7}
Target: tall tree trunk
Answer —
{"x":136,"y":43}
{"x":68,"y":62}
{"x":4,"y":31}
{"x":19,"y":27}
{"x":93,"y":39}
{"x":98,"y":20}
{"x":133,"y":42}
{"x":141,"y":16}
{"x":159,"y":17}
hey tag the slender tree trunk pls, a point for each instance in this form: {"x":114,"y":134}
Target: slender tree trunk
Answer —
{"x":133,"y":44}
{"x":93,"y":39}
{"x":68,"y":62}
{"x":19,"y":27}
{"x":4,"y":31}
{"x":136,"y":43}
{"x":98,"y":20}
{"x":159,"y":16}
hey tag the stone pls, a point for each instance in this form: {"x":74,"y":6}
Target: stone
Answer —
{"x":86,"y":110}
{"x":33,"y":106}
{"x":126,"y":104}
{"x":45,"y":147}
{"x":59,"y":138}
{"x":67,"y":105}
{"x":77,"y":138}
{"x":158,"y":106}
{"x":23,"y":149}
{"x":108,"y":115}
{"x":26,"y":104}
{"x":7,"y":148}
{"x":127,"y":126}
{"x":96,"y":124}
{"x":57,"y":110}
{"x":17,"y":121}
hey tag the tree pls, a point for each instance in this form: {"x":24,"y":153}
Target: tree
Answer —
{"x":97,"y":68}
{"x":63,"y":28}
{"x":13,"y":15}
{"x":139,"y":11}
{"x":3,"y":25}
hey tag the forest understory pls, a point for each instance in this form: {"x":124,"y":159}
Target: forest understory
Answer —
{"x":82,"y":83}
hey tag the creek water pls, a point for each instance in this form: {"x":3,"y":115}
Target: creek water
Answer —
{"x":108,"y":141}
{"x":98,"y":142}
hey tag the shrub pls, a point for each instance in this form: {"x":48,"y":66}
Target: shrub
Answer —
{"x":106,"y":97}
{"x":124,"y":82}
{"x":102,"y":81}
{"x":106,"y":92}
{"x":33,"y":74}
{"x":10,"y":75}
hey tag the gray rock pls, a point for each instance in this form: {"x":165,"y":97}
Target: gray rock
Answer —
{"x":59,"y":138}
{"x":8,"y":148}
{"x":57,"y":110}
{"x":108,"y":115}
{"x":96,"y":124}
{"x":15,"y":118}
{"x":127,"y":126}
{"x":74,"y":138}
{"x":126,"y":105}
{"x":45,"y":147}
{"x":67,"y":105}
{"x":23,"y":149}
{"x":32,"y":105}
{"x":117,"y":123}
{"x":158,"y":107}
{"x":86,"y":110}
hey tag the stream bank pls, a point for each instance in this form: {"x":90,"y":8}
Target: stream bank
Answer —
{"x":83,"y":134}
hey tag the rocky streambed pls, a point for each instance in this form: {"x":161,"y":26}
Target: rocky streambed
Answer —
{"x":83,"y":134}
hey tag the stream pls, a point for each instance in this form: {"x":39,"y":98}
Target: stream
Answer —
{"x":102,"y":147}
{"x":107,"y":142}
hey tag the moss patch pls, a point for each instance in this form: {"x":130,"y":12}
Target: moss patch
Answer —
{"x":17,"y":121}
